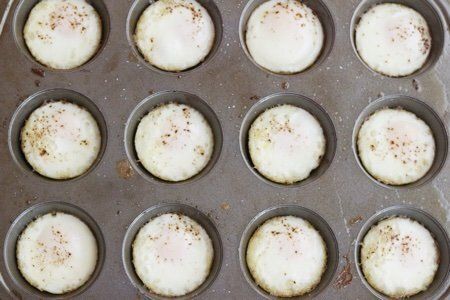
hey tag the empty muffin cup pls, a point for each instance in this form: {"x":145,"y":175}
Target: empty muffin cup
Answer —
{"x":423,"y":112}
{"x":298,"y":101}
{"x":135,"y":12}
{"x":320,"y":10}
{"x":430,"y":12}
{"x":166,"y":97}
{"x":20,"y":17}
{"x":441,"y":280}
{"x":35,"y":101}
{"x":30,"y":215}
{"x":153,"y":212}
{"x":316,"y":221}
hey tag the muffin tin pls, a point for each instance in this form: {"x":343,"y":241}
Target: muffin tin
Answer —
{"x":338,"y":87}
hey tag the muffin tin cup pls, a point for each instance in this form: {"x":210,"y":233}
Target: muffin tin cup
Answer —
{"x":441,"y":280}
{"x":316,"y":221}
{"x":165,"y":97}
{"x":20,"y":223}
{"x":300,"y":101}
{"x":322,"y":12}
{"x":139,"y":6}
{"x":432,"y":14}
{"x":20,"y":17}
{"x":153,"y":212}
{"x":424,"y":112}
{"x":35,"y":101}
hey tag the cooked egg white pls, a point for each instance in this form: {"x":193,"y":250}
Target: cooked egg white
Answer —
{"x":63,"y":34}
{"x":286,"y":256}
{"x":284,"y":36}
{"x":57,"y":253}
{"x":175,"y":35}
{"x":399,"y":257}
{"x":172,"y":255}
{"x":286,"y":143}
{"x":393,"y":39}
{"x":174,"y":142}
{"x":395,"y":146}
{"x":60,"y":140}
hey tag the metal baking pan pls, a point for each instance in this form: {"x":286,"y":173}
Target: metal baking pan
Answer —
{"x":229,"y":194}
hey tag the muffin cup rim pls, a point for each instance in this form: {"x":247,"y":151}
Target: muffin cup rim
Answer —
{"x":246,"y":236}
{"x":423,"y":69}
{"x":96,"y":232}
{"x":145,"y":174}
{"x":103,"y":41}
{"x":321,"y":58}
{"x":216,"y":46}
{"x":251,"y":115}
{"x":367,"y":111}
{"x":218,"y":253}
{"x":101,"y":123}
{"x":377,"y":217}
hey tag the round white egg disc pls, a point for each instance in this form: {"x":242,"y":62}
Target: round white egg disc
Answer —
{"x":57,"y":253}
{"x":286,"y":256}
{"x":172,"y":255}
{"x":63,"y":34}
{"x":174,"y":142}
{"x":60,"y":140}
{"x":175,"y":35}
{"x":286,"y":143}
{"x":396,"y":147}
{"x":399,"y":257}
{"x":393,"y":39}
{"x":284,"y":36}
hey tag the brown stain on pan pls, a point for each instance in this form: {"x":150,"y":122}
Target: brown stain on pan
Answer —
{"x":38,"y":72}
{"x":345,"y":276}
{"x":225,"y":206}
{"x":124,"y":169}
{"x":355,"y":220}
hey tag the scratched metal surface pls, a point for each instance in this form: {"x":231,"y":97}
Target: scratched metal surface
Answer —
{"x":116,"y":82}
